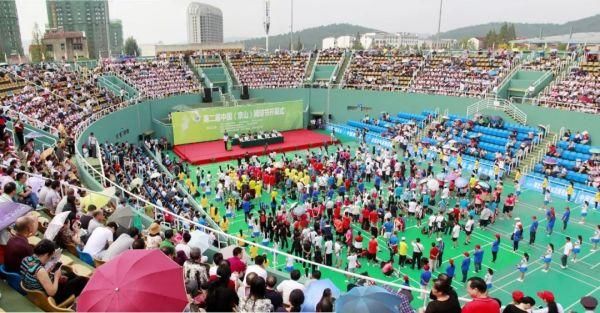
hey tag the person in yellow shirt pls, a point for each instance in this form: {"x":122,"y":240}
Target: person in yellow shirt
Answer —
{"x":258,"y":189}
{"x":224,"y":224}
{"x":213,"y":211}
{"x":253,"y":251}
{"x":472,"y":181}
{"x":306,"y":180}
{"x":204,"y":202}
{"x":570,"y":190}
{"x":597,"y":199}
{"x":402,"y":251}
{"x":517,"y":175}
{"x":181,"y":176}
{"x":545,"y":184}
{"x":496,"y":172}
{"x":193,"y":190}
{"x":241,"y":236}
{"x":188,"y":182}
{"x":273,"y":194}
{"x":476,"y":166}
{"x":459,"y":161}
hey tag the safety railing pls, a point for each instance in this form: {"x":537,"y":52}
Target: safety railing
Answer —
{"x":499,"y":105}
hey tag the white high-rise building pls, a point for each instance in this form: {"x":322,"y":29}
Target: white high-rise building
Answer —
{"x":204,"y":23}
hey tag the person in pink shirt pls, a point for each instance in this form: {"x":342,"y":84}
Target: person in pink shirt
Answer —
{"x":236,"y":263}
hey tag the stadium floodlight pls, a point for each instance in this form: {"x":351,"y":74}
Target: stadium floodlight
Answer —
{"x":267,"y":22}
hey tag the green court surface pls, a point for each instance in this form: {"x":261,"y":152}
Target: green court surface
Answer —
{"x":569,"y":285}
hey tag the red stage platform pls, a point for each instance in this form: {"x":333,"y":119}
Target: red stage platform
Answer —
{"x":214,"y":151}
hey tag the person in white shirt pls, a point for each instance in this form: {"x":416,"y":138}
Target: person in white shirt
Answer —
{"x":97,"y":221}
{"x":44,"y":191}
{"x":52,"y":197}
{"x":567,"y":249}
{"x":469,"y":229}
{"x":455,"y":234}
{"x":183,"y":246}
{"x":287,"y":286}
{"x":329,"y":252}
{"x":258,"y":267}
{"x":122,"y":244}
{"x":98,"y":240}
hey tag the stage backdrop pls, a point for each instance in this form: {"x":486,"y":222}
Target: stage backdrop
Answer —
{"x":208,"y":124}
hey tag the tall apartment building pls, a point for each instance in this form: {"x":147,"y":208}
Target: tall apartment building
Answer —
{"x":116,"y":36}
{"x":90,"y":17}
{"x":204,"y":23}
{"x":10,"y":33}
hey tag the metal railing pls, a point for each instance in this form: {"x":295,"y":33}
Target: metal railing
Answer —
{"x":499,"y":105}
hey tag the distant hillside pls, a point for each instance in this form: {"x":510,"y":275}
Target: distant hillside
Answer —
{"x":588,"y":24}
{"x":309,"y":37}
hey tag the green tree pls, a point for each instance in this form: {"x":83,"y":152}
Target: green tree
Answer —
{"x":357,"y":45}
{"x":503,"y":34}
{"x":299,"y":44}
{"x":512,"y":33}
{"x":131,"y":47}
{"x":37,"y":50}
{"x":491,"y":38}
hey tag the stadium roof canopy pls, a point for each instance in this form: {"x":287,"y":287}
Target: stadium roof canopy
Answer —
{"x":576,"y":38}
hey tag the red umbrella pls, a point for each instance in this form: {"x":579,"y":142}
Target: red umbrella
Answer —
{"x":135,"y":281}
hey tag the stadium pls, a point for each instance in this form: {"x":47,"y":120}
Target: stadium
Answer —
{"x":218,"y":178}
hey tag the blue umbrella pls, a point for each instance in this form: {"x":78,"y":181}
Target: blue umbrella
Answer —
{"x":367,"y":299}
{"x":314,"y":292}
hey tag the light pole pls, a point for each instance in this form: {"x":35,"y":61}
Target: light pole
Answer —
{"x":292,"y":26}
{"x":439,"y":25}
{"x":267,"y":22}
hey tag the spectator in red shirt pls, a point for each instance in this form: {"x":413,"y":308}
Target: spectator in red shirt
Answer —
{"x":235,"y":262}
{"x":372,"y":250}
{"x":365,"y":218}
{"x":434,"y":253}
{"x":477,"y":289}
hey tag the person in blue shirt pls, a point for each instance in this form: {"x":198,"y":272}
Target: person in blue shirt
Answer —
{"x":464,"y":203}
{"x":440,"y":245}
{"x":533,"y":230}
{"x":517,"y":236}
{"x":425,"y":277}
{"x":388,"y":227}
{"x":330,"y":193}
{"x":398,"y":192}
{"x":464,"y":267}
{"x":495,"y":248}
{"x":477,"y":258}
{"x":246,"y":206}
{"x":361,"y":186}
{"x":426,"y":199}
{"x":565,"y":217}
{"x":377,"y":182}
{"x":393,"y":243}
{"x":551,"y":219}
{"x":450,"y":270}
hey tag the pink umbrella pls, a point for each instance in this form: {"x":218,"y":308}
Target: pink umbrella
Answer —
{"x":135,"y":281}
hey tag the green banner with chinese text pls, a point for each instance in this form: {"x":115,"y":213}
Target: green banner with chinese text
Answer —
{"x":208,"y":124}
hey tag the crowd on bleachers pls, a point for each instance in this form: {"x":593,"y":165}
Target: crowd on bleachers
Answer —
{"x":157,"y":77}
{"x":330,"y":56}
{"x":472,"y":75}
{"x":259,"y":70}
{"x":573,"y":160}
{"x":382,"y":70}
{"x":579,"y":91}
{"x":207,"y":58}
{"x":542,"y":61}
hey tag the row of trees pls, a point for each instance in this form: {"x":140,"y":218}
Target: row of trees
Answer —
{"x":506,"y":33}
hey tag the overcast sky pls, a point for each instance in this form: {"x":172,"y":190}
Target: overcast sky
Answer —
{"x":151,"y":21}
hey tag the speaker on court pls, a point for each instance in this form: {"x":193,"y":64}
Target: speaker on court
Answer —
{"x":207,"y":95}
{"x":245,"y":94}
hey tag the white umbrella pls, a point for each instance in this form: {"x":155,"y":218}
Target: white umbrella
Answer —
{"x":56,"y":224}
{"x":136,"y":182}
{"x":33,"y":134}
{"x":155,"y":175}
{"x":36,"y":184}
{"x":200,"y":240}
{"x":433,"y":185}
{"x":228,"y":252}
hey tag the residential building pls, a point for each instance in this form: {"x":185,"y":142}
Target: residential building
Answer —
{"x":204,"y":23}
{"x":116,"y":37}
{"x":90,"y":17}
{"x":10,"y":33}
{"x":65,"y":45}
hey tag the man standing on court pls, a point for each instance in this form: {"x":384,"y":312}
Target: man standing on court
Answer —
{"x":568,"y":247}
{"x":225,"y":139}
{"x":533,"y":230}
{"x":417,"y":253}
